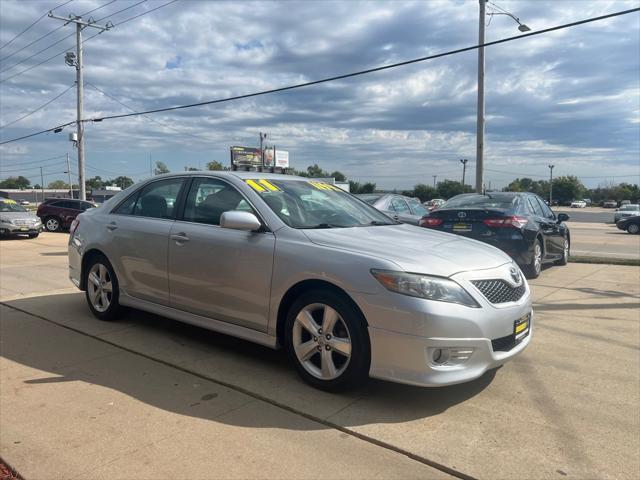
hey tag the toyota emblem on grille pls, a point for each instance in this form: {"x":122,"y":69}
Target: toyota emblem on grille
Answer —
{"x":462,"y":214}
{"x":515,"y":275}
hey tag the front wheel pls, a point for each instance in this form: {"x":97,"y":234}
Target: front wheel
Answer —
{"x":534,"y":267}
{"x":102,"y":291}
{"x":565,"y":253}
{"x":327,"y":339}
{"x":633,"y":228}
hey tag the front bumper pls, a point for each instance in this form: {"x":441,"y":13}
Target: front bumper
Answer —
{"x":8,"y":229}
{"x":408,"y":359}
{"x":405,"y":332}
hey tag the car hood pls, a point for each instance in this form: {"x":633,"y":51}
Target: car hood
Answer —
{"x":18,"y":215}
{"x":414,"y":249}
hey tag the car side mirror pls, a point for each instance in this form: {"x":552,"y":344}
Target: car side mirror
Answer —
{"x":237,"y":220}
{"x":562,"y":217}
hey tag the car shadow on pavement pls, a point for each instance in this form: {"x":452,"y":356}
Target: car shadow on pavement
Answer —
{"x":230,"y":362}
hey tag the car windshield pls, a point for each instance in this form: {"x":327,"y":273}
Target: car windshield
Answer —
{"x":417,"y":208}
{"x":309,"y":204}
{"x":11,"y":206}
{"x":481,"y":201}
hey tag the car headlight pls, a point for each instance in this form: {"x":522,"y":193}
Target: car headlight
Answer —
{"x":424,"y":286}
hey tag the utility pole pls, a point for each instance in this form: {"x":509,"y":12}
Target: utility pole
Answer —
{"x":42,"y":185}
{"x":76,"y":61}
{"x":150,"y":166}
{"x":551,"y":185}
{"x":434,"y":180}
{"x":263,"y":136}
{"x":69,"y":172}
{"x":463,"y":161}
{"x":480,"y":121}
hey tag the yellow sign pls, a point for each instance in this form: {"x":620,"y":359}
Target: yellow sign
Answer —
{"x":262,"y":185}
{"x":324,"y":186}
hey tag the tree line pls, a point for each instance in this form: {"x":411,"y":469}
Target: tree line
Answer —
{"x":565,"y":188}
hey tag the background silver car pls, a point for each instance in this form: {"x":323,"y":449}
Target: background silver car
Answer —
{"x":625,"y":211}
{"x":400,"y":208}
{"x":16,"y":220}
{"x":283,"y":261}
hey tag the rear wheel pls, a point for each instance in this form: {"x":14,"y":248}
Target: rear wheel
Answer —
{"x":533,"y":269}
{"x":633,"y":228}
{"x":102,"y":289}
{"x":52,"y":224}
{"x":326,"y":337}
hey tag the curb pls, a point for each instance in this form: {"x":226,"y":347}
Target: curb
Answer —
{"x":634,"y":262}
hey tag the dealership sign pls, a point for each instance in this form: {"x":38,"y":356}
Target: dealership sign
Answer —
{"x":281,"y":158}
{"x":246,"y":157}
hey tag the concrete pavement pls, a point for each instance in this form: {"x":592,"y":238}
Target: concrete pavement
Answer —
{"x":602,"y":240}
{"x":567,"y":407}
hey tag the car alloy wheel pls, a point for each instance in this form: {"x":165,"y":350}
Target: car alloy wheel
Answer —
{"x":321,"y":341}
{"x":100,"y":287}
{"x":537,"y":258}
{"x":633,"y":228}
{"x":52,"y":224}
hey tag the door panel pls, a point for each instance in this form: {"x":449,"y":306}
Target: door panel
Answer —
{"x":218,"y":272}
{"x":553,"y":232}
{"x":139,"y":229}
{"x":221,"y":273}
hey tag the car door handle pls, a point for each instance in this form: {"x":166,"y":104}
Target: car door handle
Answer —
{"x":180,"y":237}
{"x":396,"y":217}
{"x":112,"y":226}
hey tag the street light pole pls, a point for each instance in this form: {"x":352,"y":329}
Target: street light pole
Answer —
{"x":463,"y":161}
{"x":481,"y":103}
{"x":69,"y":173}
{"x":434,"y":180}
{"x":551,"y":185}
{"x":480,"y":121}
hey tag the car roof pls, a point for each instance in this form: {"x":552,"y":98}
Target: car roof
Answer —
{"x":238,"y":174}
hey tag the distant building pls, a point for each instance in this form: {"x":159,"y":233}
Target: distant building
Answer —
{"x":101,"y":195}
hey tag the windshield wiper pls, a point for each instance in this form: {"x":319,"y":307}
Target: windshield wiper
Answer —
{"x":326,"y":225}
{"x":378,"y":222}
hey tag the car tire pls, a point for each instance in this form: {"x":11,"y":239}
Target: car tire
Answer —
{"x":333,"y":360}
{"x":33,"y":235}
{"x":534,"y":267}
{"x":565,"y":253}
{"x":633,"y":228}
{"x":52,"y":224}
{"x":102,"y":291}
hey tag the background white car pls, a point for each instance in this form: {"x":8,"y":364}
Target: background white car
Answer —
{"x":626,"y":211}
{"x":578,"y":204}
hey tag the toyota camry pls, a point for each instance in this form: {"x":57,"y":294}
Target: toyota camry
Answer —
{"x":288,"y":262}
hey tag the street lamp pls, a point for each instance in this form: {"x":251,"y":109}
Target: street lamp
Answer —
{"x":463,"y":161}
{"x":480,"y":123}
{"x":551,"y":185}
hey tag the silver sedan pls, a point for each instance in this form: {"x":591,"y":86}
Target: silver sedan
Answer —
{"x":288,"y":262}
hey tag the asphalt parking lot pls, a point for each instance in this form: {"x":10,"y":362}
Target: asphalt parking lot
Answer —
{"x":147,"y":397}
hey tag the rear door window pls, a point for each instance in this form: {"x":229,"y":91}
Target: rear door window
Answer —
{"x":155,"y":200}
{"x":546,"y":211}
{"x":535,"y":206}
{"x":399,"y":205}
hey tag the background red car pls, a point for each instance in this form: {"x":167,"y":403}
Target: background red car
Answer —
{"x":58,"y":213}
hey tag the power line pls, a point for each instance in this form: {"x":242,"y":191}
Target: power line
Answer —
{"x":36,"y":21}
{"x":39,"y":161}
{"x":20,"y":170}
{"x":87,"y":39}
{"x":39,"y":108}
{"x":145,"y":116}
{"x":49,"y":33}
{"x":338,"y":77}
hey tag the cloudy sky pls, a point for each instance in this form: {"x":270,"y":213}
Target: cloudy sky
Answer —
{"x":571,"y":98}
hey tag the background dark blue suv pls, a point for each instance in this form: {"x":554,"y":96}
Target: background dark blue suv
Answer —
{"x":520,"y":224}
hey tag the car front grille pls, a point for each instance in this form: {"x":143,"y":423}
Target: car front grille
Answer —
{"x":499,"y":291}
{"x":23,"y":223}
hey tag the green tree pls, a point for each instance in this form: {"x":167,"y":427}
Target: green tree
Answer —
{"x":216,"y":166}
{"x":566,"y":189}
{"x":121,"y":181}
{"x":424,"y":192}
{"x":15,"y":182}
{"x":451,"y":188}
{"x":161,"y":167}
{"x":356,"y":187}
{"x":314,"y":171}
{"x":339,"y":176}
{"x":95,"y":182}
{"x":58,"y":184}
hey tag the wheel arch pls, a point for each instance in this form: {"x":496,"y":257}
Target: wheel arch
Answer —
{"x":86,"y":259}
{"x":296,"y":290}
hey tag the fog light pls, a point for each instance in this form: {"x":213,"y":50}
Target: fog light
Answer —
{"x":451,"y":356}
